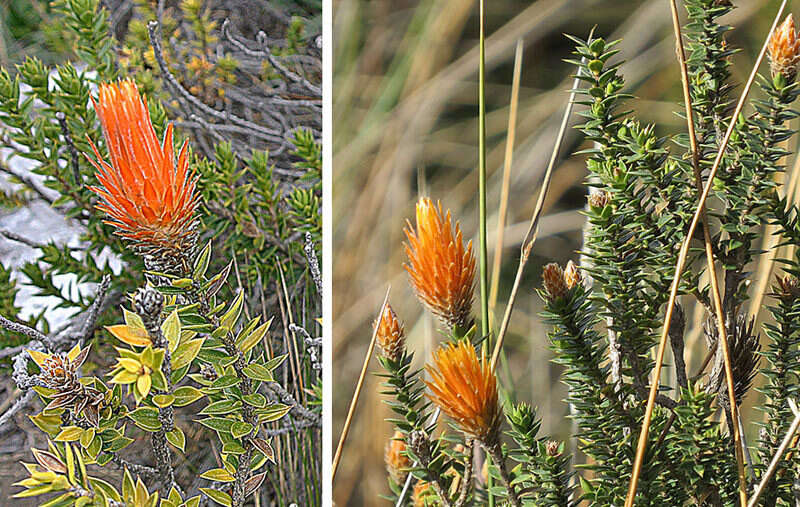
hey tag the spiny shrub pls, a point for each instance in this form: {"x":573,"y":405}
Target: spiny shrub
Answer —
{"x":184,"y":148}
{"x":606,"y":315}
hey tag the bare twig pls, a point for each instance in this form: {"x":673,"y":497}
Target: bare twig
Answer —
{"x":267,"y":134}
{"x":313,"y":263}
{"x":73,"y":152}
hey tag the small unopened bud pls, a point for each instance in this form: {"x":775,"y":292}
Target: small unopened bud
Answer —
{"x":552,"y":448}
{"x":599,"y":200}
{"x":553,"y":281}
{"x":572,"y":275}
{"x":788,"y":287}
{"x":784,"y":50}
{"x":390,"y":335}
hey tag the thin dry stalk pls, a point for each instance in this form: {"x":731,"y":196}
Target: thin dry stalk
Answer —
{"x":787,"y":440}
{"x":712,"y":271}
{"x":509,"y":158}
{"x":770,"y":249}
{"x":533,"y":228}
{"x":681,"y":263}
{"x":357,"y":393}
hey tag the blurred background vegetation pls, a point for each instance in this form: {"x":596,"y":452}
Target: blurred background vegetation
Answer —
{"x":405,"y":116}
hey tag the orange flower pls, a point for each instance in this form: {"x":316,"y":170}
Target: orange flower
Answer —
{"x":465,"y":388}
{"x":397,"y":463}
{"x":784,"y":50}
{"x":148,"y":197}
{"x":390,"y":335}
{"x":441,"y":269}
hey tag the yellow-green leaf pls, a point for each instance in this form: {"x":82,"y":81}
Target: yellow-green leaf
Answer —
{"x":177,"y":438}
{"x":185,"y":395}
{"x":38,"y":357}
{"x":163,"y":400}
{"x":132,"y":319}
{"x":218,"y":496}
{"x":69,"y":434}
{"x":124,"y":377}
{"x":229,"y":319}
{"x":251,"y":340}
{"x":218,"y":474}
{"x":143,"y":384}
{"x":172,"y":330}
{"x":186,"y":353}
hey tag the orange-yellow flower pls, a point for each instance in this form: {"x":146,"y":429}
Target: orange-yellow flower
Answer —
{"x":441,"y":268}
{"x":390,"y":337}
{"x":465,"y":388}
{"x":397,"y":463}
{"x":149,"y":197}
{"x":784,"y":50}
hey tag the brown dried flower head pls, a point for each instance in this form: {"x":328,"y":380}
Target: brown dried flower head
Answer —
{"x":59,"y":372}
{"x":599,"y":199}
{"x":390,"y":337}
{"x":744,"y":346}
{"x":552,"y":448}
{"x":788,"y":287}
{"x":553,"y":281}
{"x":465,"y":388}
{"x":784,"y":50}
{"x":397,"y":463}
{"x":440,"y":266}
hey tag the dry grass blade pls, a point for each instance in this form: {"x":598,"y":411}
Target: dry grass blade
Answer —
{"x":509,"y":158}
{"x":530,"y":236}
{"x":681,"y":263}
{"x":337,"y":457}
{"x":712,"y":271}
{"x":770,"y":248}
{"x":787,"y":440}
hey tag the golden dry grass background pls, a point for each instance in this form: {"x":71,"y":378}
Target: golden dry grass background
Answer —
{"x":405,"y":124}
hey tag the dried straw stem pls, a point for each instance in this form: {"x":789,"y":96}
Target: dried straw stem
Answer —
{"x":357,"y":393}
{"x":509,"y":158}
{"x":787,"y":440}
{"x":681,"y":263}
{"x":533,"y":228}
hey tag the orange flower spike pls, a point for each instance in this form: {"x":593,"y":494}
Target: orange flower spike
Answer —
{"x":441,"y":268}
{"x":465,"y":388}
{"x":784,"y":50}
{"x":391,"y":337}
{"x":149,"y":198}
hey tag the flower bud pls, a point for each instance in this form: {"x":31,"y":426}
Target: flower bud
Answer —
{"x":784,"y":50}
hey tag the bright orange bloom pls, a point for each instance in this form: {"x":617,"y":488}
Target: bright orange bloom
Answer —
{"x":441,"y":269}
{"x":397,"y":463}
{"x":465,"y":388}
{"x":390,"y":335}
{"x":784,"y":50}
{"x":148,"y":197}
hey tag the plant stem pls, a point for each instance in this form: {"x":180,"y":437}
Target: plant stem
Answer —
{"x":497,"y":457}
{"x":484,"y":271}
{"x":349,"y":420}
{"x":712,"y":272}
{"x":773,"y":465}
{"x":483,"y":257}
{"x":681,"y":263}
